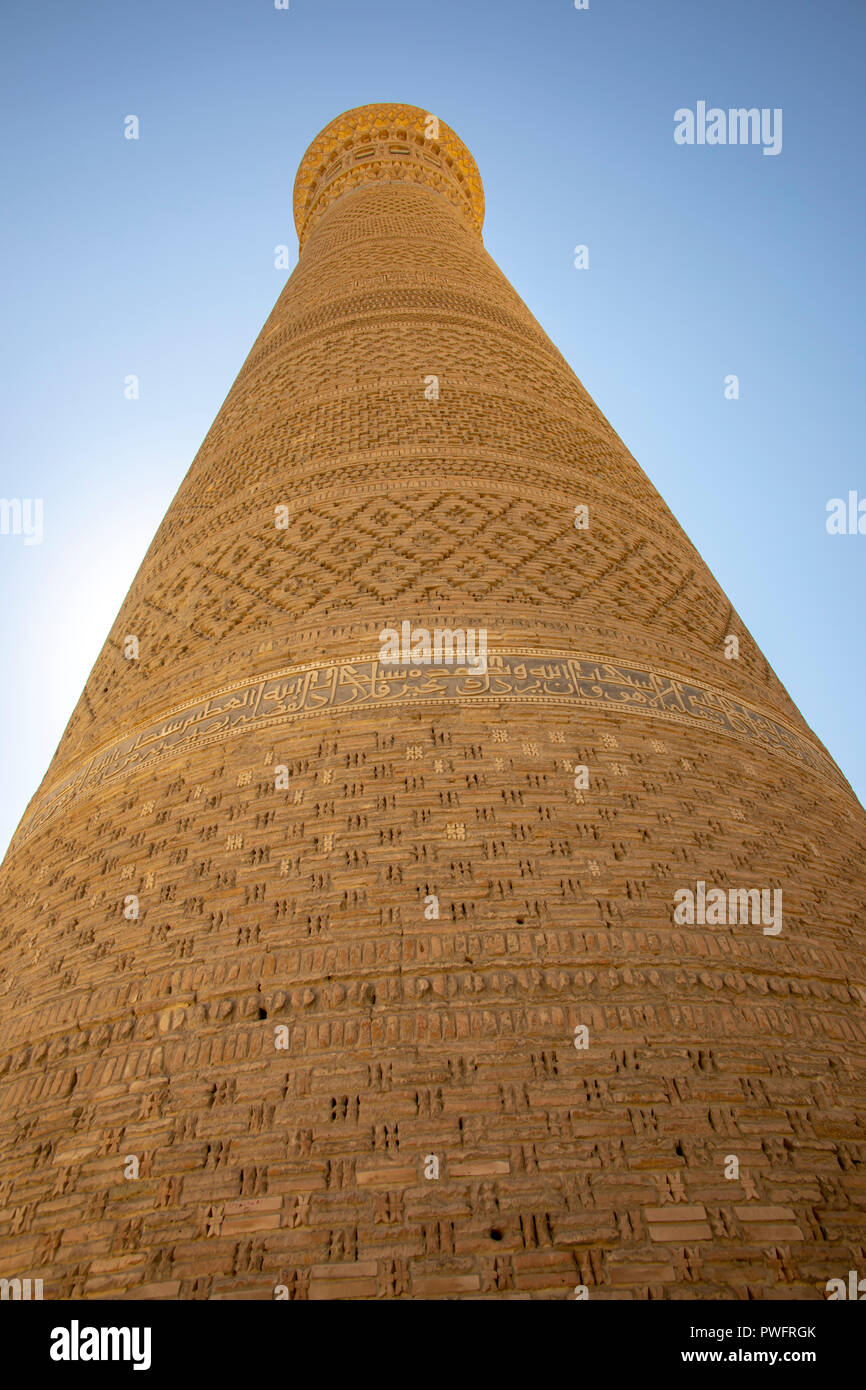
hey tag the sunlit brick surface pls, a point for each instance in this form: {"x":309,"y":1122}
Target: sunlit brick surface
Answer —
{"x":303,"y":1169}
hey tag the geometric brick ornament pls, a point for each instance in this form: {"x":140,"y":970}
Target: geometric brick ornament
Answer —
{"x":330,"y":972}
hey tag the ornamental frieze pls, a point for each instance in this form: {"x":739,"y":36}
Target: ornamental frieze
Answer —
{"x":343,"y":687}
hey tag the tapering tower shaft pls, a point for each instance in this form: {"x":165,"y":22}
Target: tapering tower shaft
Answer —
{"x":383,"y":968}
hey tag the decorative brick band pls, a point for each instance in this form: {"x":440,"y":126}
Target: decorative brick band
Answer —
{"x":362,"y":684}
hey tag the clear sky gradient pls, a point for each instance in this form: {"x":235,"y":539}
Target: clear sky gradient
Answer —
{"x":156,"y":257}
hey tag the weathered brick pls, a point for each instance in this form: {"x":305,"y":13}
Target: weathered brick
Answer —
{"x":285,"y":1033}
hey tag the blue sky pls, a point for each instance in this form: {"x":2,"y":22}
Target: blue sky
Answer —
{"x":156,"y":257}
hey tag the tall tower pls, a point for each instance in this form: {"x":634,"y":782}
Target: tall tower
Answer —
{"x":357,"y":978}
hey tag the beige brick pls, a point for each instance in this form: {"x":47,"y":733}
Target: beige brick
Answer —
{"x":263,"y":905}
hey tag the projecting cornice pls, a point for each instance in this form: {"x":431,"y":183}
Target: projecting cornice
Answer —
{"x":385,"y":143}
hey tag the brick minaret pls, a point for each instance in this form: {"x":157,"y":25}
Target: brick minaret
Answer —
{"x":376,"y":970}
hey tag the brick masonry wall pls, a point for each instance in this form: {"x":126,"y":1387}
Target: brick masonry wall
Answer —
{"x":304,"y":913}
